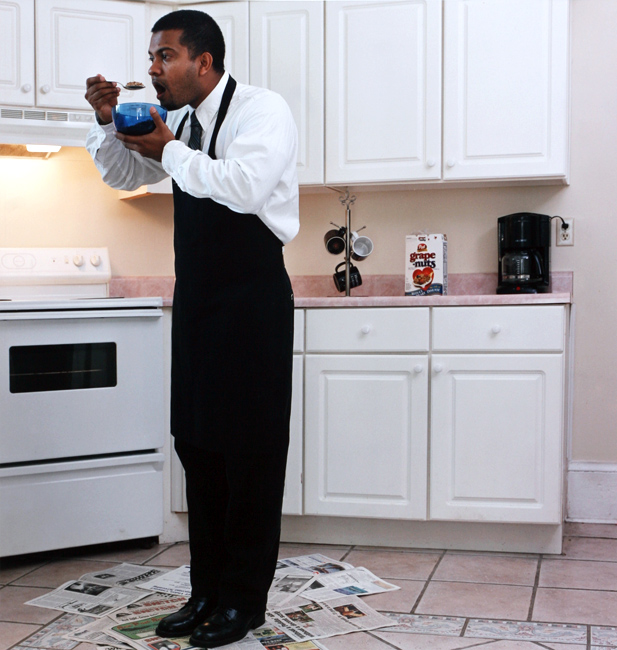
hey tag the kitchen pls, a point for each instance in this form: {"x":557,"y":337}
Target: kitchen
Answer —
{"x":72,"y":207}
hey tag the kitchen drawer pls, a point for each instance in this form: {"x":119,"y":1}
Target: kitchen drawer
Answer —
{"x":299,"y":330}
{"x":500,"y":329}
{"x":367,"y":330}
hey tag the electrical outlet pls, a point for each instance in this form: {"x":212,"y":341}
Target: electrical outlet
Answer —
{"x":565,"y":236}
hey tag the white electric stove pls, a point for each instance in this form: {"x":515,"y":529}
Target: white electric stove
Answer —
{"x":82,"y":404}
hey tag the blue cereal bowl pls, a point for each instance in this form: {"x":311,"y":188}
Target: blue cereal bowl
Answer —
{"x":134,"y":118}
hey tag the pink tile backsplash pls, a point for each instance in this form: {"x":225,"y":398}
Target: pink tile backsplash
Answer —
{"x":375,"y":291}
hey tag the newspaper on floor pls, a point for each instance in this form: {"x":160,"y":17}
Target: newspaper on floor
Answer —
{"x":88,"y":597}
{"x":153,"y":605}
{"x":54,"y":635}
{"x":285,"y":588}
{"x":97,"y":632}
{"x":125,"y":575}
{"x":177,"y":581}
{"x":353,"y":582}
{"x":310,"y":564}
{"x":322,"y":620}
{"x":141,"y":635}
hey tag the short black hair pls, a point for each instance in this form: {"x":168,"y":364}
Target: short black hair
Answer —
{"x":200,"y":33}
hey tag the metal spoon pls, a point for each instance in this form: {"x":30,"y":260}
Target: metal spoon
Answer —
{"x":131,"y":85}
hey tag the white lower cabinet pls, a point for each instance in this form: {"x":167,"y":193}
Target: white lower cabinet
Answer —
{"x":496,"y":432}
{"x":365,"y":433}
{"x":492,"y":381}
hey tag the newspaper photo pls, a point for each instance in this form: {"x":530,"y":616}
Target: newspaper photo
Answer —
{"x":176,"y":582}
{"x":88,"y":597}
{"x":125,"y":575}
{"x":142,"y":635}
{"x":321,"y":620}
{"x":353,"y":582}
{"x":309,"y":564}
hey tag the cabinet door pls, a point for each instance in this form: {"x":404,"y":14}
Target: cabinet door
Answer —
{"x":505,"y":89}
{"x":496,"y":437}
{"x":365,"y":433}
{"x":383,"y":90}
{"x":287,"y":56}
{"x":17,"y":64}
{"x":292,"y":497}
{"x":76,"y":40}
{"x":233,"y":19}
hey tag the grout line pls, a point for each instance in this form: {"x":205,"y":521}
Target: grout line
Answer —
{"x":426,"y":584}
{"x":534,"y":591}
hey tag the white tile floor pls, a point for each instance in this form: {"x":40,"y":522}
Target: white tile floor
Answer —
{"x":448,"y":600}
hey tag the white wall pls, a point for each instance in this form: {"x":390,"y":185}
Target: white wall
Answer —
{"x":62,"y":201}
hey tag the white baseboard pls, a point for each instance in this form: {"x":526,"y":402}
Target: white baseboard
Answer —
{"x":592,"y":493}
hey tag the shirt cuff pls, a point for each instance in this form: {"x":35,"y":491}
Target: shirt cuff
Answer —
{"x":175,"y":154}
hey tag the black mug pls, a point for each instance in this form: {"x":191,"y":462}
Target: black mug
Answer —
{"x":355,"y":279}
{"x":335,"y":241}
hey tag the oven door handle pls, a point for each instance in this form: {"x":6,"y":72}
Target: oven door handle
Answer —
{"x":95,"y":313}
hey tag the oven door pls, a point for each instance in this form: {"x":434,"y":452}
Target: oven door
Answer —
{"x":80,"y":383}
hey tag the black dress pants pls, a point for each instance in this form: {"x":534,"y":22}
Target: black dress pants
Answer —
{"x":234,"y":502}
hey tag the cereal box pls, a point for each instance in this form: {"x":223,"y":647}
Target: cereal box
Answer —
{"x":426,"y":265}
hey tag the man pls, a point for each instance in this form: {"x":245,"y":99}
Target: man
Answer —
{"x":235,"y":206}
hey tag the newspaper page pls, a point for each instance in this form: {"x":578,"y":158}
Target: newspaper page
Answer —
{"x":322,"y":620}
{"x":153,"y":605}
{"x":97,"y":632}
{"x":87,"y":597}
{"x":141,"y":635}
{"x":285,"y":588}
{"x":176,"y":582}
{"x":54,"y":635}
{"x":125,"y":575}
{"x":353,"y":582}
{"x":312,"y":564}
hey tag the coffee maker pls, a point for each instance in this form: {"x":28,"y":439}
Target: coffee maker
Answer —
{"x":524,"y":242}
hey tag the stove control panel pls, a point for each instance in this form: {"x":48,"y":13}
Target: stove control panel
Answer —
{"x":30,"y":266}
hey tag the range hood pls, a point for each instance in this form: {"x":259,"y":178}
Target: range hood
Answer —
{"x":31,"y":125}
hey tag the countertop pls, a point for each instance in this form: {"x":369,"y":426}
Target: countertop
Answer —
{"x":376,"y":291}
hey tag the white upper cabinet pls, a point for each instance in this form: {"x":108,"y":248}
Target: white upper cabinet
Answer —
{"x":17,"y":65}
{"x":287,"y":56}
{"x":76,"y":40}
{"x":505,"y":89}
{"x":383,"y":91}
{"x":233,"y":19}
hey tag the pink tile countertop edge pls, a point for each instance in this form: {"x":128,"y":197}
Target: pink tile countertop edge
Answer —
{"x":376,"y":291}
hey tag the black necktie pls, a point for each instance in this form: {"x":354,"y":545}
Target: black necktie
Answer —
{"x":196,"y":131}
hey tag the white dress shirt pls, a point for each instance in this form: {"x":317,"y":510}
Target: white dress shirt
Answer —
{"x":255,"y":167}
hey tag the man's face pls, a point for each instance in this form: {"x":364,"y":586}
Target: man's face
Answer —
{"x":175,"y":76}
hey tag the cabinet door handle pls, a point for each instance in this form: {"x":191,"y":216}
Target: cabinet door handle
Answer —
{"x":45,"y":89}
{"x":438,"y":367}
{"x":430,"y":162}
{"x":418,"y":368}
{"x":26,"y":88}
{"x":496,"y":329}
{"x":450,"y":162}
{"x":366,"y":329}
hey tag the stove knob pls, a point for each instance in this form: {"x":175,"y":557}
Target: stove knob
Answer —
{"x":95,"y":260}
{"x":18,"y":261}
{"x":78,"y":260}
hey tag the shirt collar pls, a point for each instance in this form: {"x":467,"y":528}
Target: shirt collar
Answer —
{"x":207,"y":110}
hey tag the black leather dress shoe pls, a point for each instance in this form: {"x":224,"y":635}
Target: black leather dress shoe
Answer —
{"x":225,"y":625}
{"x":185,"y":620}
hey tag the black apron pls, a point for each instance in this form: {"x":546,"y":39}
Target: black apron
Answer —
{"x":232,"y":332}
